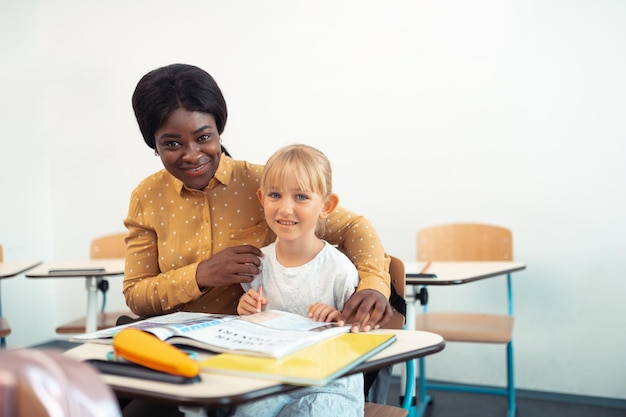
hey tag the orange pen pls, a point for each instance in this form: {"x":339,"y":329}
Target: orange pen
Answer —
{"x":258,"y":300}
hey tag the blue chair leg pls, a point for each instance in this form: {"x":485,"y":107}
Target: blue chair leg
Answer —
{"x":409,"y":388}
{"x":510,"y":380}
{"x":423,"y":398}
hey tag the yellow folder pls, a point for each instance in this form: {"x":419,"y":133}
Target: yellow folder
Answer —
{"x":315,"y":365}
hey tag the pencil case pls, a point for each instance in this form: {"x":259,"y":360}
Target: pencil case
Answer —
{"x":147,"y":350}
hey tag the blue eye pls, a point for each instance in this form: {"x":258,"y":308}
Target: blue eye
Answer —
{"x":301,"y":197}
{"x":274,"y":195}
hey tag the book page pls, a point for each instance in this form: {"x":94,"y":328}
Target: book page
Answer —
{"x":270,"y":333}
{"x":163,"y":326}
{"x":250,"y":338}
{"x":283,"y":320}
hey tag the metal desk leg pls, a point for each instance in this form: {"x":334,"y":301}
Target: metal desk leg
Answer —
{"x":91,"y":321}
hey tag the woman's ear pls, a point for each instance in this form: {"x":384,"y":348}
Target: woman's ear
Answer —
{"x":331,"y":203}
{"x":259,"y":195}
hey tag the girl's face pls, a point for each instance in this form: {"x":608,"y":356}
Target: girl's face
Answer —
{"x":189,"y":146}
{"x":290,"y":212}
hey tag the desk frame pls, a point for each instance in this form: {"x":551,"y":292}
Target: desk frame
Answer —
{"x":111,"y":267}
{"x":451,"y":273}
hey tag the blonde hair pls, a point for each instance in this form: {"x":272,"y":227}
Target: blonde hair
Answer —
{"x":308,"y":166}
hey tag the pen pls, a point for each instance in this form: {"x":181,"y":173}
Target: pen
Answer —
{"x":258,"y":300}
{"x":425,"y":268}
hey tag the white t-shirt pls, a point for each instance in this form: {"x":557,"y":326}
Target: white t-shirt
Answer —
{"x":329,"y":278}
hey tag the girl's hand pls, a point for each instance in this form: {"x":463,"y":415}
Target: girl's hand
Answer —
{"x":249,"y":302}
{"x":324,"y":312}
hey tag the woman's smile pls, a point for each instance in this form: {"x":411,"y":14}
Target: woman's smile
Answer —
{"x":189,"y":146}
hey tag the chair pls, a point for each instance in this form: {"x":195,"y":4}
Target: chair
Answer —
{"x":467,"y":242}
{"x":43,"y":383}
{"x":398,"y":281}
{"x":108,"y":246}
{"x":383,"y":410}
{"x":5,"y":329}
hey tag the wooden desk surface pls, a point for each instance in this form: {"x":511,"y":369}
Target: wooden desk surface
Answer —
{"x":13,"y":268}
{"x":221,"y":390}
{"x":450,"y":273}
{"x":78,"y":269}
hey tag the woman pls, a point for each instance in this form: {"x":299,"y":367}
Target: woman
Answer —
{"x":195,"y":227}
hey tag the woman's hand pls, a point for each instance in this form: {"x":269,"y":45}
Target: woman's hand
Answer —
{"x":230,"y":266}
{"x":366,"y":310}
{"x":324,"y":312}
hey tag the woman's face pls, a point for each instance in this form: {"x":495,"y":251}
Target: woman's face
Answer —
{"x":189,"y":146}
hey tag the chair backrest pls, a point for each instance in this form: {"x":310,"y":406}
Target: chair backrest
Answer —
{"x":398,"y":281}
{"x":464,"y":242}
{"x":44,"y":383}
{"x":398,"y":276}
{"x":109,"y":246}
{"x":1,"y":256}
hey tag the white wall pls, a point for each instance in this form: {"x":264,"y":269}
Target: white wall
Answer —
{"x":492,"y":111}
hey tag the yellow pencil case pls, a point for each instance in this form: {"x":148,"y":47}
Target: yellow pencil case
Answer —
{"x":145,"y":349}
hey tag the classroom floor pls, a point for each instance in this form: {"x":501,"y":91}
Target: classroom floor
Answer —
{"x":452,"y":404}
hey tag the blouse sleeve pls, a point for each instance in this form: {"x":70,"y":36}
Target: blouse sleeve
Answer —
{"x":355,"y":236}
{"x":147,"y":290}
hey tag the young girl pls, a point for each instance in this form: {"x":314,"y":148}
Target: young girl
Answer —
{"x":301,"y":273}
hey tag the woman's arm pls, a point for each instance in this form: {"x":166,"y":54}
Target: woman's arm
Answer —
{"x":147,"y":290}
{"x":355,"y":236}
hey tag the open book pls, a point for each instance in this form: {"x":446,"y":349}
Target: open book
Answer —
{"x":271,"y":333}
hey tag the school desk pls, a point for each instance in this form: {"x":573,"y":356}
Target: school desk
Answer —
{"x":452,"y":273}
{"x":93,"y":271}
{"x":215,"y":390}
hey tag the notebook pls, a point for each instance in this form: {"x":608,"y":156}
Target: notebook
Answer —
{"x":315,"y":365}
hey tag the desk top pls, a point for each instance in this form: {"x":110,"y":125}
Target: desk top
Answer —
{"x":11,"y":269}
{"x":78,"y":269}
{"x":221,"y":390}
{"x":449,"y":273}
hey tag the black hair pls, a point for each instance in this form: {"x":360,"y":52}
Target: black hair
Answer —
{"x":163,"y":90}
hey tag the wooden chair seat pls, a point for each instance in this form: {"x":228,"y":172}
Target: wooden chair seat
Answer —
{"x":467,"y":327}
{"x":5,"y":329}
{"x":105,"y":320}
{"x":380,"y":410}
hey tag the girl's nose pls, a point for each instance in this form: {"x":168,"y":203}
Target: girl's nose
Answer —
{"x":286,"y":206}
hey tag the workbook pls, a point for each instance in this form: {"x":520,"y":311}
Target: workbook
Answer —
{"x":271,"y":333}
{"x":315,"y":365}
